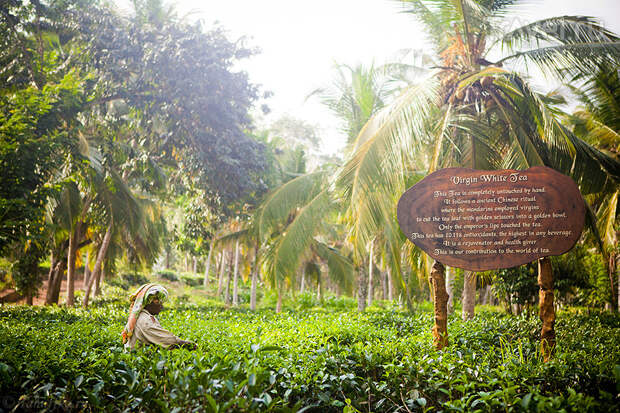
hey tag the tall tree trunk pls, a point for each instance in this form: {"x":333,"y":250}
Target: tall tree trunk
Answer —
{"x":440,"y":329}
{"x":469,"y":295}
{"x":362,"y":284}
{"x":195,"y":265}
{"x":370,"y":272}
{"x":279,"y":303}
{"x":103,"y":250}
{"x":254,"y":279}
{"x":186,"y":262}
{"x":618,"y":276}
{"x":87,"y":272}
{"x":611,"y":270}
{"x":100,"y":276}
{"x":450,"y":288}
{"x":167,"y":262}
{"x":208,"y":263}
{"x":487,"y":295}
{"x":235,"y":295}
{"x":547,"y":310}
{"x":220,"y":281}
{"x":383,"y":277}
{"x":302,"y":287}
{"x":71,"y":255}
{"x":227,"y":286}
{"x":50,"y":278}
{"x":390,"y":285}
{"x":319,"y":287}
{"x":53,"y":294}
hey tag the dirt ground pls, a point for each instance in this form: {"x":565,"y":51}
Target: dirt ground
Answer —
{"x":40,"y":298}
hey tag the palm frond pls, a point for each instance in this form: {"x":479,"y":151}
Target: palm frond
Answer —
{"x":540,"y":137}
{"x":437,"y":17}
{"x":144,"y":241}
{"x":230,"y":238}
{"x":595,"y":132}
{"x":284,"y":254}
{"x":561,"y":29}
{"x":570,"y":59}
{"x":113,"y":194}
{"x":279,"y":205}
{"x":606,"y":217}
{"x":340,"y":267}
{"x":383,"y":153}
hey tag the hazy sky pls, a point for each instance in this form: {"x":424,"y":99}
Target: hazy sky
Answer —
{"x":301,"y":40}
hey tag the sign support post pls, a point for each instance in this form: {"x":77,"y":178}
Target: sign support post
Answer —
{"x":440,"y":329}
{"x":547,"y":310}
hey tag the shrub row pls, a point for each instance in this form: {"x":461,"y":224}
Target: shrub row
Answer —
{"x":72,"y":359}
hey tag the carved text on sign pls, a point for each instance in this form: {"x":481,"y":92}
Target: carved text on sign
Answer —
{"x":482,"y":220}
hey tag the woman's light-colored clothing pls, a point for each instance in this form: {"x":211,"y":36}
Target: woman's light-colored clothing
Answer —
{"x":147,"y":330}
{"x":138,"y":301}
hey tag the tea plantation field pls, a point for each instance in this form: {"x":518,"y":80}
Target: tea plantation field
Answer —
{"x":59,"y":359}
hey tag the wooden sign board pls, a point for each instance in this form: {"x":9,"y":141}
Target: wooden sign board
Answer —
{"x":483,"y":220}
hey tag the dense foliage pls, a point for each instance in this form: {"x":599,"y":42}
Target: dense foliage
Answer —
{"x":101,"y":115}
{"x":332,"y":360}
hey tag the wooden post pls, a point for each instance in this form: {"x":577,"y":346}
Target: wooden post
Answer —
{"x":547,"y":310}
{"x":440,"y":329}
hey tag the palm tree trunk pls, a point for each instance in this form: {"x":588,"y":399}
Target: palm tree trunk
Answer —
{"x":450,"y":288}
{"x":487,"y":295}
{"x":100,"y":276}
{"x":208,"y":263}
{"x":50,"y":278}
{"x":611,"y":270}
{"x":87,"y":272}
{"x":220,"y":281}
{"x":618,"y":276}
{"x":383,"y":278}
{"x":370,"y":274}
{"x":390,"y":284}
{"x":235,"y":296}
{"x":362,"y":284}
{"x":227,"y":287}
{"x":469,"y":295}
{"x":53,"y":292}
{"x":440,"y":329}
{"x":547,"y":310}
{"x":279,"y":303}
{"x":103,"y":250}
{"x":254,"y":279}
{"x":302,"y":287}
{"x":71,"y":255}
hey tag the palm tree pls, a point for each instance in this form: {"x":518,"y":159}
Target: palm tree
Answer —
{"x":288,"y":222}
{"x":355,"y":96}
{"x":597,"y":121}
{"x":476,"y":113}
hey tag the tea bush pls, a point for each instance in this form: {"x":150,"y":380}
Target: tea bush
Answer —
{"x":167,"y":275}
{"x":382,"y":361}
{"x":128,"y":280}
{"x":192,"y":280}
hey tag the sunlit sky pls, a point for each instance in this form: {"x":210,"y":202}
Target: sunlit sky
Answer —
{"x":301,"y":40}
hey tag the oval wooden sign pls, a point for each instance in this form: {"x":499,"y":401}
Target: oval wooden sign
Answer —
{"x":483,"y":220}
